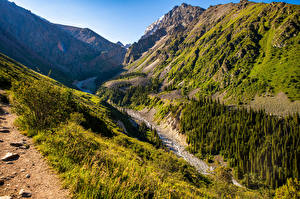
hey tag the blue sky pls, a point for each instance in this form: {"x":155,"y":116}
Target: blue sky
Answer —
{"x":116,"y":20}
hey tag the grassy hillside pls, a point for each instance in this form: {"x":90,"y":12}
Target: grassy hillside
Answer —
{"x":235,"y":52}
{"x":78,"y":135}
{"x":256,"y":144}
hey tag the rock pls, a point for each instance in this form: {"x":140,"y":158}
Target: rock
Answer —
{"x":27,"y":176}
{"x":5,"y":197}
{"x":1,"y":141}
{"x":25,"y":194}
{"x":23,"y":170}
{"x":4,"y":131}
{"x":9,"y":163}
{"x":16,"y":144}
{"x":1,"y":182}
{"x":10,"y":157}
{"x":25,"y":146}
{"x":21,"y":145}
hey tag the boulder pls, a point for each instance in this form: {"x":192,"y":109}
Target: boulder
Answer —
{"x":25,"y":194}
{"x":16,"y":144}
{"x":1,"y":182}
{"x":5,"y":197}
{"x":10,"y":157}
{"x":4,"y":131}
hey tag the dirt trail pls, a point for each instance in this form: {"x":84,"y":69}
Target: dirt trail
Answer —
{"x":28,"y":172}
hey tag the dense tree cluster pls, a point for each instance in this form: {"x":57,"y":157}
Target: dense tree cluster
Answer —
{"x":150,"y":135}
{"x":134,"y":95}
{"x":255,"y":143}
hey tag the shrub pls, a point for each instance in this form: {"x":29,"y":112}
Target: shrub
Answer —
{"x":291,"y":190}
{"x":40,"y":104}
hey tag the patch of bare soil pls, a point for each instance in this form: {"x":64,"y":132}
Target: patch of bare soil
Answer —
{"x":176,"y":94}
{"x":26,"y":173}
{"x":279,"y":104}
{"x":135,"y":81}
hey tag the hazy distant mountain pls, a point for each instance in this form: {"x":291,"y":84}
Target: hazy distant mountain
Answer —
{"x":125,"y":46}
{"x":38,"y":43}
{"x":109,"y":50}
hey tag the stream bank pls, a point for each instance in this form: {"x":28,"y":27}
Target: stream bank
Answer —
{"x":175,"y":141}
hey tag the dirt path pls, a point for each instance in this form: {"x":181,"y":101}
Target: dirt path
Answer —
{"x":28,"y":172}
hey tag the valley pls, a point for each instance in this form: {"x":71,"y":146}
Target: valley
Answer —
{"x":206,"y":104}
{"x":175,"y":141}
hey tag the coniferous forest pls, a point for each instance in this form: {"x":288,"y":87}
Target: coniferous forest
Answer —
{"x":261,"y":147}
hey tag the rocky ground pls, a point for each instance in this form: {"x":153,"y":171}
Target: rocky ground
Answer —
{"x":24,"y":172}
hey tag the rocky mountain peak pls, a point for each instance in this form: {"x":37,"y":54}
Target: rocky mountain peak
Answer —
{"x":173,"y":22}
{"x":184,"y":5}
{"x":120,"y":44}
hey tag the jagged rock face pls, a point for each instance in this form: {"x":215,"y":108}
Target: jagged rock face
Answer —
{"x":40,"y":44}
{"x":178,"y":19}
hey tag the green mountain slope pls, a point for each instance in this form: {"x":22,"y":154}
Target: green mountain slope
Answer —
{"x":234,"y":52}
{"x":79,"y":136}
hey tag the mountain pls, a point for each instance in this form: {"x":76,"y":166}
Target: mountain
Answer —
{"x":227,"y":84}
{"x":40,"y":44}
{"x":120,"y":43}
{"x":82,"y":137}
{"x":234,"y":52}
{"x":109,"y":51}
{"x":177,"y":20}
{"x":124,"y":46}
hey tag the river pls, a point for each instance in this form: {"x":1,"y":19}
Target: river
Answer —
{"x":175,"y":146}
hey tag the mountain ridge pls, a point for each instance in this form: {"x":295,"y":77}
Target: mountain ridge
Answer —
{"x":109,"y":50}
{"x":228,"y":52}
{"x":175,"y":20}
{"x":55,"y":50}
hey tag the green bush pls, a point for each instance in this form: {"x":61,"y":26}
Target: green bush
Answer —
{"x":40,"y":104}
{"x":289,"y":191}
